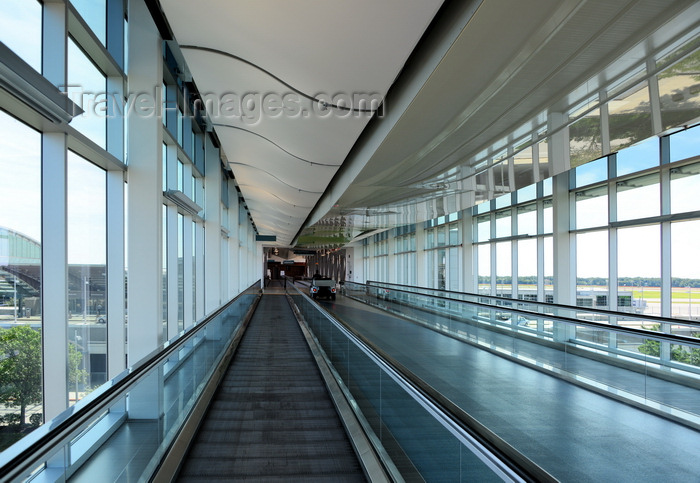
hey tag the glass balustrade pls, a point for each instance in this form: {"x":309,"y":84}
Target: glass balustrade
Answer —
{"x":571,"y":342}
{"x":122,"y":430}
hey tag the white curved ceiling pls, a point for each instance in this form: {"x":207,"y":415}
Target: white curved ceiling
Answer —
{"x":287,"y":54}
{"x":484,"y":70}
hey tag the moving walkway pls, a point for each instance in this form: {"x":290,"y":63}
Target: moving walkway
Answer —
{"x":276,"y":387}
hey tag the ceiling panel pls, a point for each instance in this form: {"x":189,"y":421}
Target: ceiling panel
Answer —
{"x":264,"y":65}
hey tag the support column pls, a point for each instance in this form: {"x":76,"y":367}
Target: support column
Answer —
{"x":145,"y":189}
{"x":212,"y":223}
{"x":54,"y":274}
{"x":54,"y":232}
{"x":468,"y":282}
{"x":116,"y":328}
{"x":233,"y":263}
{"x":421,"y":277}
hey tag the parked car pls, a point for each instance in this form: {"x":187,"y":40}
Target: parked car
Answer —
{"x":322,"y":287}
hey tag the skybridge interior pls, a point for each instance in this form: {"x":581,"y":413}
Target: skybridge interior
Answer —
{"x":504,"y":192}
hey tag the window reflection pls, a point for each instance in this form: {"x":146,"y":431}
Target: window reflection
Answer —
{"x":87,"y":270}
{"x":679,"y":91}
{"x":523,"y":166}
{"x":585,"y":139}
{"x":629,"y":117}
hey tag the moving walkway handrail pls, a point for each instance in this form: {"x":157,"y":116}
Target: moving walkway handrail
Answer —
{"x":613,"y":313}
{"x":500,"y":456}
{"x":30,"y":452}
{"x":679,"y":339}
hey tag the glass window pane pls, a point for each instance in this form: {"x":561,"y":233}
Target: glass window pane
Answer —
{"x":440,"y":236}
{"x":639,"y":269}
{"x":524,"y":168}
{"x":592,"y":269}
{"x":679,"y":91}
{"x":180,"y":272}
{"x":685,"y":144}
{"x":630,"y":117}
{"x":592,"y":207}
{"x":685,"y":270}
{"x":430,"y":239}
{"x":165,"y":166}
{"x":503,"y":223}
{"x":638,"y":197}
{"x":548,"y":215}
{"x":165,"y":272}
{"x":638,"y":157}
{"x":527,"y":219}
{"x":685,"y":186}
{"x":527,"y":194}
{"x":483,"y":228}
{"x":593,"y":172}
{"x":441,"y":273}
{"x":503,"y":201}
{"x":454,"y":234}
{"x":504,"y":270}
{"x":527,"y":269}
{"x":20,"y":263}
{"x":549,"y":269}
{"x":20,"y":29}
{"x":87,"y":88}
{"x":94,"y":12}
{"x":453,"y":269}
{"x":87,"y":270}
{"x":180,"y":176}
{"x":194,"y":271}
{"x":484,"y":268}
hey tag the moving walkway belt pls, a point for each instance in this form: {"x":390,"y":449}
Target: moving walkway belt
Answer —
{"x":271,"y":417}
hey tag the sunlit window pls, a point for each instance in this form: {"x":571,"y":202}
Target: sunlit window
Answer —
{"x":20,"y":29}
{"x":592,"y":207}
{"x":94,"y":12}
{"x":87,"y":276}
{"x":638,"y":197}
{"x":20,"y":271}
{"x":87,"y":87}
{"x":685,"y":183}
